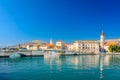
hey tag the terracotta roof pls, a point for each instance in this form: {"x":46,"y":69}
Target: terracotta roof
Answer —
{"x":51,"y":45}
{"x":111,"y":43}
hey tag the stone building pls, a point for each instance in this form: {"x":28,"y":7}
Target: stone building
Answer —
{"x":70,"y":47}
{"x":86,"y":46}
{"x":32,"y":45}
{"x":60,"y":45}
{"x":35,"y":45}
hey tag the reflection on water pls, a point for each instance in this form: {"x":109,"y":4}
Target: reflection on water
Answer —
{"x":83,"y":62}
{"x":101,"y":65}
{"x":79,"y":62}
{"x":79,"y":67}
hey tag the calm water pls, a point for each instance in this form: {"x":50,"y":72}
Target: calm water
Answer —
{"x":83,"y":67}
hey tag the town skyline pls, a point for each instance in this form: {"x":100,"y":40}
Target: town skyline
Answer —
{"x":54,"y":40}
{"x":22,"y":21}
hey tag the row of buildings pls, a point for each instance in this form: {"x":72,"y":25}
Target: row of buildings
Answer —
{"x":83,"y":46}
{"x":40,"y":45}
{"x":93,"y":46}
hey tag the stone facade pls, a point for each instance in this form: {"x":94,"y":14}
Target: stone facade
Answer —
{"x":70,"y":47}
{"x":60,"y":45}
{"x":86,"y":46}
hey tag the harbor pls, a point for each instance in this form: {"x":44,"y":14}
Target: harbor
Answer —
{"x":47,"y":52}
{"x":72,"y":67}
{"x":78,"y":47}
{"x":38,"y":53}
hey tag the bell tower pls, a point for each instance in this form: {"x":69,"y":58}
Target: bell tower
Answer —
{"x":51,"y":42}
{"x":102,"y":40}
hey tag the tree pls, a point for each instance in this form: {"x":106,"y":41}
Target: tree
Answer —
{"x":4,"y":48}
{"x":111,"y":48}
{"x":114,"y":48}
{"x":118,"y":49}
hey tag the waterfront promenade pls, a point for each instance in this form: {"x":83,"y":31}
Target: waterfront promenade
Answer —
{"x":34,"y":53}
{"x":42,"y":52}
{"x":26,"y":53}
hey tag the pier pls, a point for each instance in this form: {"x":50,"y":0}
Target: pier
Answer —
{"x":49,"y":52}
{"x":33,"y":53}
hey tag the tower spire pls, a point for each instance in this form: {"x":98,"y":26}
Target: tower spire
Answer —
{"x":102,"y":34}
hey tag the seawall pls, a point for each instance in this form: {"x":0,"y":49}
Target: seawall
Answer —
{"x":41,"y":53}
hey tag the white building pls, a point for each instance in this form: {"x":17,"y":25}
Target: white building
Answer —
{"x":34,"y":45}
{"x":87,"y":46}
{"x":60,"y":45}
{"x":70,"y":47}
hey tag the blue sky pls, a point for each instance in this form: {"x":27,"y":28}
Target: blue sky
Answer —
{"x":69,"y":20}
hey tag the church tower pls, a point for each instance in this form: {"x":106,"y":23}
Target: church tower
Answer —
{"x":51,"y":42}
{"x":102,"y":40}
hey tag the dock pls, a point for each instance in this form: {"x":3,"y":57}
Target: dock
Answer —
{"x":45,"y":52}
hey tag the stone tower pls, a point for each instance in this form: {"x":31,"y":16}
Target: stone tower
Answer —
{"x":51,"y":42}
{"x":102,"y":40}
